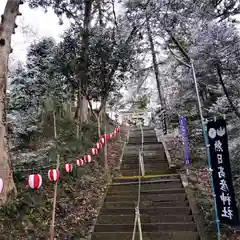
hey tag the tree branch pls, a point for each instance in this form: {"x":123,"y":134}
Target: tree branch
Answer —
{"x":103,"y":103}
{"x":226,"y":92}
{"x":68,"y":12}
{"x":180,"y":47}
{"x":128,"y":40}
{"x":114,"y":14}
{"x":91,"y":108}
{"x":177,"y":58}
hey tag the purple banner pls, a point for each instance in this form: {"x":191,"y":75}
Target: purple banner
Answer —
{"x":183,"y":126}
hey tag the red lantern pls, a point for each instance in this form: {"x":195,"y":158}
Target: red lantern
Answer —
{"x":79,"y":162}
{"x":53,"y":175}
{"x":102,"y":140}
{"x":93,"y":151}
{"x":34,"y":181}
{"x":111,"y":135}
{"x":106,"y":136}
{"x":1,"y":185}
{"x":98,"y":145}
{"x":117,"y":129}
{"x":67,"y":167}
{"x":87,"y":158}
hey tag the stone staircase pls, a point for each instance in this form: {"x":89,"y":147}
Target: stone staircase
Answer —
{"x":164,"y":208}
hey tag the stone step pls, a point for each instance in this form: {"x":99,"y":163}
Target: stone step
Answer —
{"x":145,"y":204}
{"x":146,"y":227}
{"x":127,"y":160}
{"x":146,"y":192}
{"x":147,"y":172}
{"x":145,"y":130}
{"x":129,"y":219}
{"x":148,"y":134}
{"x":150,"y":166}
{"x":134,"y":152}
{"x":167,"y":178}
{"x":147,"y":210}
{"x":153,"y":147}
{"x":146,"y":181}
{"x":173,"y":235}
{"x":146,"y":145}
{"x":152,"y":139}
{"x":133,"y":162}
{"x":146,"y":138}
{"x":153,"y":158}
{"x":143,"y":127}
{"x":146,"y":186}
{"x":139,"y":134}
{"x":139,"y":142}
{"x":147,"y":154}
{"x":153,"y":197}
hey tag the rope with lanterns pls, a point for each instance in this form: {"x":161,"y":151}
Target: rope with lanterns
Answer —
{"x":34,"y":181}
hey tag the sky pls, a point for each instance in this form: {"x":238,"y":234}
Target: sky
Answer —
{"x":32,"y":25}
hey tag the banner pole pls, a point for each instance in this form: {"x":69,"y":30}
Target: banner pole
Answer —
{"x":211,"y":180}
{"x":197,"y":92}
{"x":208,"y":151}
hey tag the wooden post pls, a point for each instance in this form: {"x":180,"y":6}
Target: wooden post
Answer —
{"x":52,"y":226}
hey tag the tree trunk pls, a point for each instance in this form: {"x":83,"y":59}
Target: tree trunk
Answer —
{"x":82,"y":75}
{"x":234,"y":108}
{"x":157,"y":75}
{"x":97,"y":117}
{"x":83,"y":110}
{"x":7,"y":28}
{"x":99,"y":126}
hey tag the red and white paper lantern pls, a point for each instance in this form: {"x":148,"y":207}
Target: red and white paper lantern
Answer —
{"x":87,"y":158}
{"x":79,"y":162}
{"x":111,"y":135}
{"x":68,"y":167}
{"x":93,"y":151}
{"x":98,"y":145}
{"x":106,"y":136}
{"x":1,"y":185}
{"x":117,"y":129}
{"x":102,"y":140}
{"x":34,"y":181}
{"x":53,"y":175}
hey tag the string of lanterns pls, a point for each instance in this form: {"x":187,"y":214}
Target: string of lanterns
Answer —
{"x":34,"y":181}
